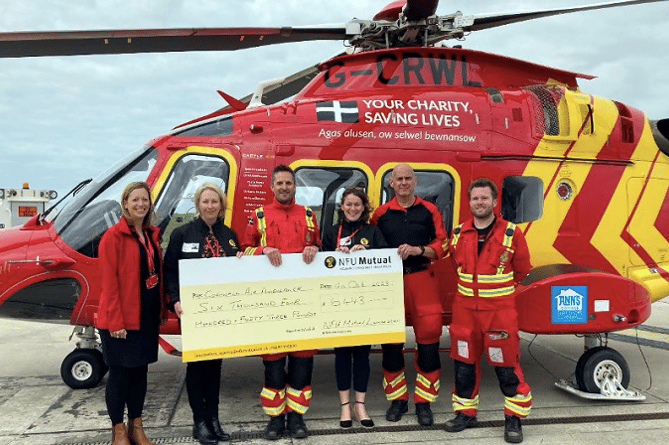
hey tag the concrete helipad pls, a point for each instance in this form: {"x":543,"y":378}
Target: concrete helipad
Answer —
{"x":36,"y":407}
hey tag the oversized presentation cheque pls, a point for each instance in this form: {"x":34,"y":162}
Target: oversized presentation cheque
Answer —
{"x":245,"y":306}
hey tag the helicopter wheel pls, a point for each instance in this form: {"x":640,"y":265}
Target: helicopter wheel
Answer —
{"x":83,"y":368}
{"x":602,"y":370}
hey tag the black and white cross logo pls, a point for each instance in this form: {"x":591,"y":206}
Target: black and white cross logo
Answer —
{"x":338,"y":111}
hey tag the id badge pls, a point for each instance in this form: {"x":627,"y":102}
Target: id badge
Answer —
{"x":152,"y":281}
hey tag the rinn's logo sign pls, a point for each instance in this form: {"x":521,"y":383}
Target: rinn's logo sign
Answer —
{"x":569,"y":304}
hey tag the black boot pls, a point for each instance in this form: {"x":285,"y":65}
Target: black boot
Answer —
{"x":296,"y":426}
{"x":215,"y":426}
{"x":396,"y":409}
{"x":424,"y":413}
{"x":275,"y":427}
{"x":513,"y":431}
{"x":203,"y":434}
{"x":460,"y":422}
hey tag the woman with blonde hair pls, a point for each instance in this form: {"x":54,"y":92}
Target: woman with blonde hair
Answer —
{"x":205,"y":236}
{"x":131,"y":308}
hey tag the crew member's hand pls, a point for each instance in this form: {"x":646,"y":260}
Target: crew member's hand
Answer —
{"x":177,"y":309}
{"x":273,"y":254}
{"x":357,"y":247}
{"x":309,"y":253}
{"x":121,"y":333}
{"x":405,"y":251}
{"x":343,"y":249}
{"x":240,"y":253}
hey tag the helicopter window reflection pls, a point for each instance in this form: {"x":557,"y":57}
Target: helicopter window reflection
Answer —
{"x":522,"y":198}
{"x":82,"y":223}
{"x":174,"y":206}
{"x":320,"y":188}
{"x":432,"y":185}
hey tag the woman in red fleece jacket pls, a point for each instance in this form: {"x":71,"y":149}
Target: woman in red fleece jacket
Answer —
{"x":131,"y":308}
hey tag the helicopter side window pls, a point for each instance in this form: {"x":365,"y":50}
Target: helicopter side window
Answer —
{"x":522,"y":198}
{"x":432,"y":185}
{"x":320,"y":188}
{"x":82,"y":222}
{"x":174,"y":206}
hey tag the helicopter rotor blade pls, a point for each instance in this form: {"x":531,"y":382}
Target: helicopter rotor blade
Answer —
{"x":486,"y":21}
{"x":73,"y":43}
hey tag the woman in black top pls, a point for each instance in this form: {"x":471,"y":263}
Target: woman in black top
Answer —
{"x":204,"y":237}
{"x":353,"y":232}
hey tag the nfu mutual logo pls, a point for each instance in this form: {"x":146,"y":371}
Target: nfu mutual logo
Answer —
{"x":569,"y":304}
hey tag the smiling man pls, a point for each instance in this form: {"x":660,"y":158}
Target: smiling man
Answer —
{"x":284,"y":227}
{"x":415,"y":227}
{"x":491,"y":257}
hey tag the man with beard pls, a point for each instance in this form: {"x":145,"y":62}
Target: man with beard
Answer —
{"x":284,"y":227}
{"x":491,"y":256}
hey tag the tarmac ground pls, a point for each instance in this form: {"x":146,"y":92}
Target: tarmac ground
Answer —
{"x":37,"y":408}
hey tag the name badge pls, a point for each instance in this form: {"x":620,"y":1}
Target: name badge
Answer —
{"x":190,"y":247}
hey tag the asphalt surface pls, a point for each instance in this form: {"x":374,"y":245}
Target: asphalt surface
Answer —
{"x":37,"y":408}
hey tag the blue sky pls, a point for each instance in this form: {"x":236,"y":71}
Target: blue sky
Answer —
{"x":65,"y":119}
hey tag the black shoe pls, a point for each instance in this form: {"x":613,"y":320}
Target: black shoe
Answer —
{"x":424,"y":413}
{"x":460,"y":422}
{"x":513,"y":432}
{"x":215,"y":427}
{"x":203,"y":434}
{"x":296,"y":426}
{"x":396,"y":409}
{"x":275,"y":427}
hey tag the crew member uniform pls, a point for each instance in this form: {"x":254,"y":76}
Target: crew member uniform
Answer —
{"x":489,"y":262}
{"x":289,"y":228}
{"x":418,"y":225}
{"x":195,"y":240}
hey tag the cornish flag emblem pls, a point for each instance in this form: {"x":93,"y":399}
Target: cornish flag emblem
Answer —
{"x":337,"y":110}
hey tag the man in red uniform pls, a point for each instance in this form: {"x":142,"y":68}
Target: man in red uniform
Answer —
{"x":284,"y":227}
{"x":491,"y":256}
{"x":415,"y":227}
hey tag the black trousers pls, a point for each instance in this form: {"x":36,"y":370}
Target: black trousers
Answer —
{"x":126,"y":387}
{"x":357,"y":358}
{"x":203,"y":384}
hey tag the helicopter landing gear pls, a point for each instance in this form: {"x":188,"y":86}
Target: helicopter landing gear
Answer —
{"x":84,"y":367}
{"x":601,"y":373}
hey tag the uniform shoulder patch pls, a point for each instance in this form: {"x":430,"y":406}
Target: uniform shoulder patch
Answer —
{"x":260,"y":214}
{"x":456,"y":230}
{"x":509,"y":231}
{"x":309,"y":212}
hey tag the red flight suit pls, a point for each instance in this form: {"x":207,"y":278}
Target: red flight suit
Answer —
{"x":484,"y":314}
{"x":289,"y":228}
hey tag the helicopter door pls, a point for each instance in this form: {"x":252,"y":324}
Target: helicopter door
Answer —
{"x":174,"y":206}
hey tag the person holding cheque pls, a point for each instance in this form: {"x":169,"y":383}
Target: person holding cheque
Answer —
{"x":353,"y":232}
{"x":284,"y":227}
{"x":131,"y":308}
{"x":204,"y":237}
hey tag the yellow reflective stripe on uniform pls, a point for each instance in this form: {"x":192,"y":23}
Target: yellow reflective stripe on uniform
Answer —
{"x":460,"y":403}
{"x":307,"y":214}
{"x":250,"y":250}
{"x":466,"y":277}
{"x":426,"y":395}
{"x":513,"y":404}
{"x":465,"y":290}
{"x":270,"y":394}
{"x":456,"y":235}
{"x":397,"y":393}
{"x":274,"y":410}
{"x":499,"y":292}
{"x":262,"y":226}
{"x":395,"y":381}
{"x":508,"y":238}
{"x":495,"y":278}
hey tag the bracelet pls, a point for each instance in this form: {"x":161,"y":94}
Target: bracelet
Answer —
{"x":422,"y":250}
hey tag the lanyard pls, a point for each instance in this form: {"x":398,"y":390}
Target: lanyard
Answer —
{"x":348,"y":239}
{"x":148,"y":246}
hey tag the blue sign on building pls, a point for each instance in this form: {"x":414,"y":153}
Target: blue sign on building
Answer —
{"x":569,"y":304}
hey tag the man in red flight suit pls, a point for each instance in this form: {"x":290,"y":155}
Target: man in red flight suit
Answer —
{"x":284,"y":227}
{"x":491,"y":256}
{"x":415,"y":227}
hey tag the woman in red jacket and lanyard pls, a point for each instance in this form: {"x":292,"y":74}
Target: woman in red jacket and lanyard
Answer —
{"x":130,"y":311}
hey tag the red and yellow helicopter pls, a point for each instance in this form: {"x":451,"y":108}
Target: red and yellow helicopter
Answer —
{"x":586,"y":177}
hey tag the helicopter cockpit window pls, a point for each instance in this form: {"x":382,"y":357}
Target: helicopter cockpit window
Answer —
{"x":522,"y":198}
{"x":550,"y":110}
{"x":174,"y":206}
{"x":320,"y":188}
{"x":219,"y":127}
{"x":82,"y":222}
{"x":432,"y":185}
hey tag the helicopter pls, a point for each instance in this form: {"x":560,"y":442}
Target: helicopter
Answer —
{"x":585,"y":177}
